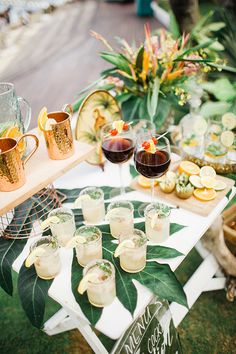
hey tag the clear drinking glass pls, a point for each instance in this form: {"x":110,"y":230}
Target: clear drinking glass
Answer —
{"x":102,"y":290}
{"x":157,"y":222}
{"x":47,"y":265}
{"x":120,"y":215}
{"x":92,"y":203}
{"x":64,"y":230}
{"x":152,"y":164}
{"x":92,"y":247}
{"x":133,"y":257}
{"x":145,"y":126}
{"x":214,"y":150}
{"x":119,"y":148}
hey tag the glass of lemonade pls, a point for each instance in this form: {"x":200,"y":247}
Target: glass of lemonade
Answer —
{"x":157,"y":222}
{"x":64,"y":228}
{"x":132,"y":252}
{"x":46,"y":257}
{"x":92,"y":204}
{"x":120,"y":215}
{"x":99,"y":282}
{"x":91,"y":248}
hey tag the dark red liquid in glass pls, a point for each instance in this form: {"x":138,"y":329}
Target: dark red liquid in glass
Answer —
{"x":151,"y":165}
{"x":118,"y":150}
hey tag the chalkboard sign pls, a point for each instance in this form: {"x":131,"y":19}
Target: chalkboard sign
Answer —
{"x":153,"y":332}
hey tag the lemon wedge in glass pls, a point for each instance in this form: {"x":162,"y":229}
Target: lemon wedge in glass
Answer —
{"x":75,"y":241}
{"x":227,"y":138}
{"x":51,"y":220}
{"x":32,"y":257}
{"x":83,"y":285}
{"x":126,"y":243}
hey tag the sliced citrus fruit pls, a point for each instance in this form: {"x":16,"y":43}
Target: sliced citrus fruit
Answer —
{"x":189,"y":168}
{"x":42,"y":118}
{"x":51,"y":220}
{"x":145,"y":182}
{"x":195,"y":181}
{"x":208,"y":182}
{"x":49,"y":123}
{"x":227,"y":138}
{"x":204,"y":194}
{"x":200,"y":126}
{"x":118,"y":125}
{"x":79,"y":200}
{"x":75,"y":241}
{"x":229,"y":120}
{"x":220,"y":185}
{"x":83,"y":285}
{"x":15,"y":133}
{"x":126,"y":243}
{"x":207,"y":171}
{"x":32,"y":257}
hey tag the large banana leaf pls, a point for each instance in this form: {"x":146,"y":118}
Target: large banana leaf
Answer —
{"x":157,"y":277}
{"x":10,"y":249}
{"x":33,"y":292}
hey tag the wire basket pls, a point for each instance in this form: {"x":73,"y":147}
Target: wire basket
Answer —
{"x":24,"y":220}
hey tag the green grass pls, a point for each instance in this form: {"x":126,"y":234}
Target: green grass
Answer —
{"x":209,"y":328}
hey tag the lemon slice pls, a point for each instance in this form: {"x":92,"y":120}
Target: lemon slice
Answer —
{"x":82,"y":198}
{"x":152,"y":149}
{"x":195,"y":181}
{"x":83,"y":285}
{"x":32,"y":257}
{"x":75,"y":241}
{"x":51,"y":220}
{"x":200,"y":126}
{"x":229,"y":120}
{"x":42,"y":118}
{"x":204,"y":194}
{"x":48,"y":124}
{"x":145,"y":182}
{"x":126,"y":243}
{"x":220,"y":185}
{"x":208,"y":181}
{"x":188,"y":167}
{"x":207,"y":171}
{"x":227,"y":138}
{"x":118,"y":125}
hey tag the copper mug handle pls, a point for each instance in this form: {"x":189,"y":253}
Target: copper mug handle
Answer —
{"x":34,"y":149}
{"x":68,"y":109}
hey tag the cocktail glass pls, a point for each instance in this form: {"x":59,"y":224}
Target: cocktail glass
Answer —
{"x":91,"y":248}
{"x":133,"y":252}
{"x":64,"y":229}
{"x":92,"y":203}
{"x":47,"y":263}
{"x":101,"y":288}
{"x":157,"y":222}
{"x":120,"y":215}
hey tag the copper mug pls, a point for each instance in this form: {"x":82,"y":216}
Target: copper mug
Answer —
{"x":59,"y":139}
{"x":12,"y":173}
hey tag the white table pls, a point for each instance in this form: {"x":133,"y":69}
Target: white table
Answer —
{"x":115,"y":318}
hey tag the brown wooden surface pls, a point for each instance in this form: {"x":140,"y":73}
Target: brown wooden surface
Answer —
{"x":41,"y":171}
{"x":61,"y":58}
{"x":192,"y":204}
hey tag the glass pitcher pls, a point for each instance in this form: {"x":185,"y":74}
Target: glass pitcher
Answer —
{"x":12,"y":123}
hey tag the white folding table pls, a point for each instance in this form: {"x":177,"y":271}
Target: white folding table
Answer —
{"x":115,"y":318}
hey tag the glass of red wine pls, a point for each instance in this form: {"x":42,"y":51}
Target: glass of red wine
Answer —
{"x":152,"y":157}
{"x":118,"y":146}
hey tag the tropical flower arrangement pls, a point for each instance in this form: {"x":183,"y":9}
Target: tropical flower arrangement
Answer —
{"x":148,"y":79}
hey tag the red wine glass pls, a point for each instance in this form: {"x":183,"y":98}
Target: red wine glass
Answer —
{"x":152,"y":157}
{"x":117,"y":146}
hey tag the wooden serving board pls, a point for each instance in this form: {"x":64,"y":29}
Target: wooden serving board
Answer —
{"x":41,"y":171}
{"x":192,"y":204}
